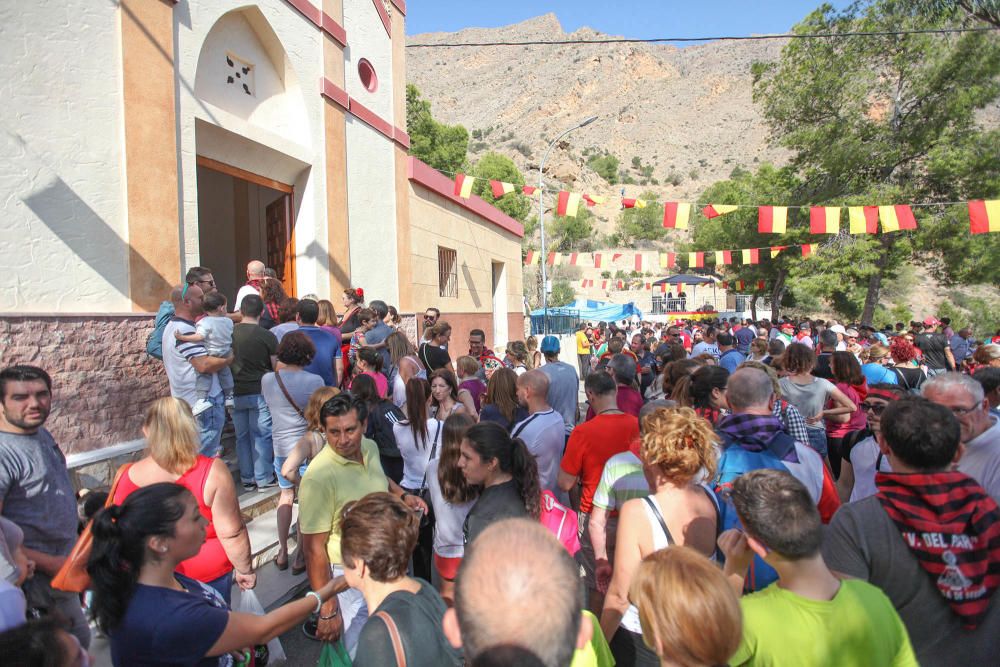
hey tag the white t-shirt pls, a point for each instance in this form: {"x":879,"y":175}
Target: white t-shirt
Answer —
{"x":218,"y":333}
{"x":242,"y":292}
{"x":703,"y":347}
{"x":449,"y":539}
{"x":981,"y":459}
{"x":864,"y":458}
{"x":545,"y":435}
{"x":415,"y":458}
{"x":177,"y":357}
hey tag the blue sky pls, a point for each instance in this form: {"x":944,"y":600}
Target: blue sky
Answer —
{"x":630,"y":18}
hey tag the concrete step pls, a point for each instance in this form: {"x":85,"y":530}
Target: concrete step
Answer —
{"x":263,"y":531}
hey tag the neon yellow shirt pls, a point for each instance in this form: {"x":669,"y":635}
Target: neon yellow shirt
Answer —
{"x":596,"y":653}
{"x":857,"y":628}
{"x":330,"y":482}
{"x":582,"y":343}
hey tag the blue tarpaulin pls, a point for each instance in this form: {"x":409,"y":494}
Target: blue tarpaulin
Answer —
{"x":566,"y":317}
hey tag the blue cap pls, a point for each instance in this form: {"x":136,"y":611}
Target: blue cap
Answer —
{"x":549,"y":344}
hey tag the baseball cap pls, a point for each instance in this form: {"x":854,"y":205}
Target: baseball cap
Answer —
{"x":787,"y":325}
{"x":932,"y":321}
{"x":838,"y":328}
{"x":805,"y":326}
{"x":851,"y":333}
{"x":549,"y":344}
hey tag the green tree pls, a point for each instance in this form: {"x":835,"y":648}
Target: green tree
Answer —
{"x":862,"y":115}
{"x":562,"y":294}
{"x":571,"y":234}
{"x":501,"y":168}
{"x":441,"y":146}
{"x":606,"y":166}
{"x":636,"y":225}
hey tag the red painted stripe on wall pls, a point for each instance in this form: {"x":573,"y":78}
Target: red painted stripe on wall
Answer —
{"x":384,"y":15}
{"x":369,"y":117}
{"x":334,"y":93}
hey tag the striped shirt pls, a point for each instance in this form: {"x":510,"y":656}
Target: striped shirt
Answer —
{"x":621,"y":480}
{"x":177,"y":356}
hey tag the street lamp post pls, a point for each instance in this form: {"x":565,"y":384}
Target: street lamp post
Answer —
{"x":541,"y":220}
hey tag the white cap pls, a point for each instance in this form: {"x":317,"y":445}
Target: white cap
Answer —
{"x":838,"y":328}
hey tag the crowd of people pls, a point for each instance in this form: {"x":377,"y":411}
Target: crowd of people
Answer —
{"x":729,"y":492}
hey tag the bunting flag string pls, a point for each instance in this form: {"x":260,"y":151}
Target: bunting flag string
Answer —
{"x":568,"y":203}
{"x":676,"y":215}
{"x":863,"y":219}
{"x":633,"y":203}
{"x":984,"y":216}
{"x":463,"y":185}
{"x":715,"y":210}
{"x":772,"y":219}
{"x":824,"y":220}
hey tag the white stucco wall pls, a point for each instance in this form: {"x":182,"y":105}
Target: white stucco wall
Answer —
{"x":63,"y":231}
{"x":277,"y":138}
{"x":366,"y":38}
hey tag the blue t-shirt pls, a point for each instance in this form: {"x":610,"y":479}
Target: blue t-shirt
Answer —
{"x":730,"y":360}
{"x":743,"y":338}
{"x":327,"y":349}
{"x":878,"y":374}
{"x":163,"y":626}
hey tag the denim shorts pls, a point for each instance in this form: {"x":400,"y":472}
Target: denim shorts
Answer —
{"x":282,"y":482}
{"x":817,"y":440}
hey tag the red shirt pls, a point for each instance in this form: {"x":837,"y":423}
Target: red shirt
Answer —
{"x":212,"y":561}
{"x":629,"y":401}
{"x":591,"y":445}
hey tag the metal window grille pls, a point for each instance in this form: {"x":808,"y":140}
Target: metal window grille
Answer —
{"x":447,"y":272}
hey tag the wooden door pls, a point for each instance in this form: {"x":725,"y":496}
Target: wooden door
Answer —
{"x":281,"y":241}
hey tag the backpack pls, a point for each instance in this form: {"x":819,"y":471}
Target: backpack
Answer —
{"x":154,"y":342}
{"x":911,"y":389}
{"x":561,"y":522}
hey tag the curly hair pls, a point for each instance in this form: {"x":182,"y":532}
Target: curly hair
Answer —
{"x":680,"y":443}
{"x":316,"y":401}
{"x":798,"y":358}
{"x":902,"y":350}
{"x":296,"y":349}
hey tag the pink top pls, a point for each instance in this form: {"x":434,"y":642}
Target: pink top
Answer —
{"x":212,"y":561}
{"x":858,"y":417}
{"x":381,"y":384}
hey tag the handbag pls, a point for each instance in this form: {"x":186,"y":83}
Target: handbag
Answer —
{"x":288,"y":397}
{"x":72,"y":577}
{"x":561,"y":521}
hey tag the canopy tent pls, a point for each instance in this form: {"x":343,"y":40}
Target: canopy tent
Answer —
{"x":685,"y":279}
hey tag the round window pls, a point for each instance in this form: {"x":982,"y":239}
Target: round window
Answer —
{"x":367,"y":74}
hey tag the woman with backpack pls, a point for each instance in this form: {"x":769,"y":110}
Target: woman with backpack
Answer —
{"x":382,"y":416}
{"x":909,"y":372}
{"x":500,"y":405}
{"x":678,"y":449}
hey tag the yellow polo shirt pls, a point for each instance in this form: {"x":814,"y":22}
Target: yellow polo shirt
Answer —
{"x":330,"y":482}
{"x":582,"y":343}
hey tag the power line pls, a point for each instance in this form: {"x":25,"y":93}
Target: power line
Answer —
{"x":721,"y":38}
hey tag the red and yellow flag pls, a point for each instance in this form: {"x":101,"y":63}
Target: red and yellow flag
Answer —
{"x":633,"y":203}
{"x":528,"y":190}
{"x":552,"y":259}
{"x":463,"y":185}
{"x":864,"y":219}
{"x":824,"y":220}
{"x":696,"y":260}
{"x":984,"y":216}
{"x":594,"y":199}
{"x":615,"y":256}
{"x":715,"y":210}
{"x":638,"y":262}
{"x":760,"y":285}
{"x":597,"y":260}
{"x":809,"y":249}
{"x":896,"y":218}
{"x":772,"y":219}
{"x":569,"y":203}
{"x":676,"y":215}
{"x":572,"y":258}
{"x":739,"y":285}
{"x":668,"y":260}
{"x":776,"y":250}
{"x":604,"y":284}
{"x":532,"y":257}
{"x":500,"y":188}
{"x":723,"y":257}
{"x":751,"y":255}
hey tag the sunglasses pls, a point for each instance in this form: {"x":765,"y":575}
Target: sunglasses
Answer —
{"x":875,"y":408}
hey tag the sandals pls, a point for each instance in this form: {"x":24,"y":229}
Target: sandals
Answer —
{"x":281,"y":565}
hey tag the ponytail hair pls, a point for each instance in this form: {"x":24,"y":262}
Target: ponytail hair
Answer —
{"x":119,"y":548}
{"x":418,"y":390}
{"x":491,"y":441}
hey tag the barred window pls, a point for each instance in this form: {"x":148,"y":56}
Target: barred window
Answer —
{"x":447,"y":272}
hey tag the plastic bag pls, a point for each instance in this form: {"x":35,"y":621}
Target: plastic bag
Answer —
{"x":334,"y":655}
{"x":272,"y":653}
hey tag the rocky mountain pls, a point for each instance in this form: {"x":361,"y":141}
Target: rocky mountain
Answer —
{"x":685,"y":112}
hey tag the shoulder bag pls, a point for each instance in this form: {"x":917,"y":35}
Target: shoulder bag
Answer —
{"x":288,"y":397}
{"x":72,"y":576}
{"x":424,"y":492}
{"x":397,"y":641}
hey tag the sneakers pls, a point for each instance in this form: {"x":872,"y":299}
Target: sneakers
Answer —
{"x":269,"y":485}
{"x":200,"y":406}
{"x":230,"y":402}
{"x":249,"y":486}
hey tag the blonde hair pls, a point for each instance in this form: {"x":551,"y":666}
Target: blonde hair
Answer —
{"x":316,"y":401}
{"x":680,"y":443}
{"x":984,"y":354}
{"x":171,"y":435}
{"x":467,"y":366}
{"x":676,"y":589}
{"x":327,"y":314}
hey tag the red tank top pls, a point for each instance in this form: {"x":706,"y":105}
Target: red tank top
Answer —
{"x":211,"y":562}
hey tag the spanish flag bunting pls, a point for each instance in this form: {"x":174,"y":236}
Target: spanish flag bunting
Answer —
{"x":680,"y":288}
{"x":760,"y":285}
{"x":569,"y":203}
{"x":594,"y":199}
{"x":696,"y":260}
{"x":633,"y":203}
{"x":621,"y":284}
{"x":463,"y":185}
{"x":663,"y":288}
{"x":552,"y":259}
{"x":572,"y":258}
{"x":896,"y":218}
{"x":649,"y":286}
{"x":809,"y":249}
{"x":500,"y":188}
{"x":604,"y":284}
{"x":668,"y":260}
{"x":597,"y":260}
{"x":864,"y":219}
{"x":723,"y":257}
{"x":715,"y":210}
{"x":772,"y":219}
{"x":532,"y":257}
{"x":725,"y":285}
{"x":776,"y":250}
{"x":824,"y":220}
{"x":638,"y":262}
{"x":984,"y":216}
{"x":528,"y":190}
{"x":751,"y":255}
{"x":676,"y":215}
{"x":615,"y":257}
